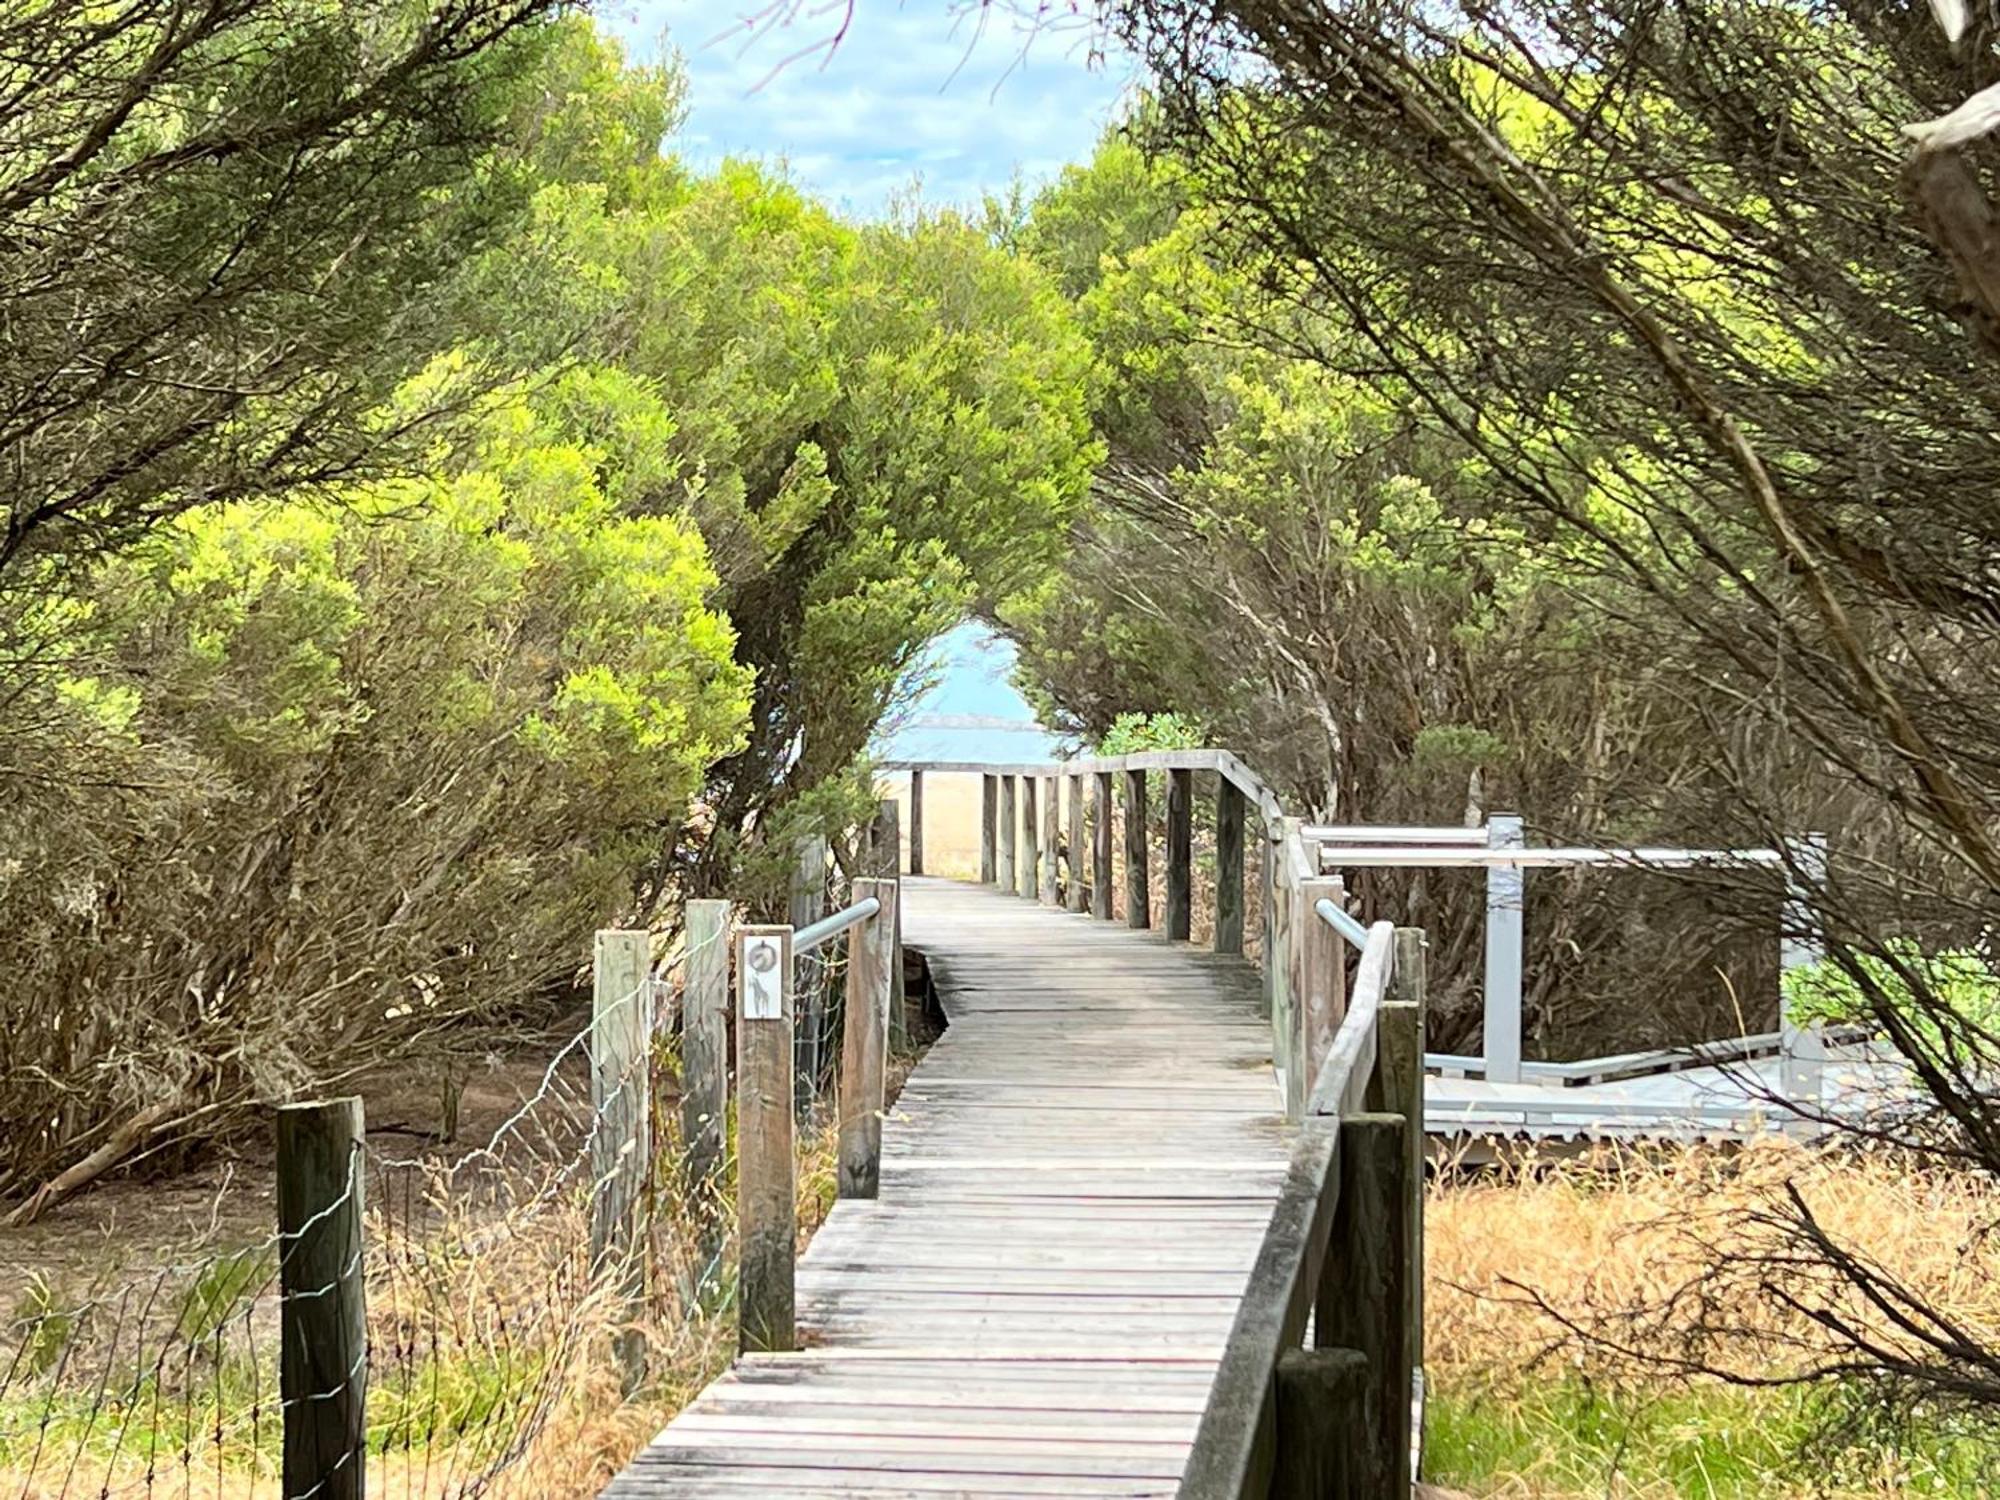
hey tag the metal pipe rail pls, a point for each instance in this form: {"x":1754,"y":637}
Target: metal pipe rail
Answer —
{"x":807,"y":938}
{"x":1347,"y":926}
{"x":1404,"y":856}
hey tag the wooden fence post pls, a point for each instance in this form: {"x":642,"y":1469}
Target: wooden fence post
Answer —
{"x":1078,"y":881}
{"x":1228,"y":866}
{"x":1101,"y":876}
{"x":1363,"y":1295}
{"x":1051,"y":841}
{"x":1031,"y":839}
{"x":989,"y":817}
{"x":766,"y":1169}
{"x":1005,"y":872}
{"x":887,"y":859}
{"x":1506,"y":915}
{"x":871,"y":956}
{"x":1321,"y":1446}
{"x":1138,"y":857}
{"x":621,"y":1142}
{"x":806,"y":905}
{"x":916,"y":822}
{"x":885,"y":840}
{"x":1180,"y":855}
{"x":1277,"y":922}
{"x":704,"y":1041}
{"x":323,"y":1316}
{"x":1317,"y":976}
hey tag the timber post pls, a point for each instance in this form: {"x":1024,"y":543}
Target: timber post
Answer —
{"x":1074,"y":895}
{"x":887,"y":848}
{"x":621,"y":1099}
{"x":323,"y":1315}
{"x":989,"y":814}
{"x":871,"y":960}
{"x":1321,"y":1450}
{"x":1052,"y":841}
{"x":766,"y":1170}
{"x":1180,"y":854}
{"x":1363,"y":1296}
{"x":1138,"y":860}
{"x":806,"y":904}
{"x":1101,"y":874}
{"x":1030,"y":872}
{"x":705,"y":1062}
{"x":1318,"y":973}
{"x":1228,"y":866}
{"x":1004,"y":873}
{"x":916,"y":822}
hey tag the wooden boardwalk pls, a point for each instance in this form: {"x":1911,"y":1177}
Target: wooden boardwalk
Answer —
{"x":1075,"y":1185}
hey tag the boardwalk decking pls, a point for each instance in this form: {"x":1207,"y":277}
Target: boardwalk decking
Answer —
{"x":1075,"y":1183}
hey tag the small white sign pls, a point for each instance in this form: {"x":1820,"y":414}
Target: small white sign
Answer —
{"x":763,"y":979}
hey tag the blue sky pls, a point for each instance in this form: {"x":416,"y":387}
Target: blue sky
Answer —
{"x":911,"y":95}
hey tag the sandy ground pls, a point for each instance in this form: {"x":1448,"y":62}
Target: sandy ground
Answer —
{"x":951,"y":821}
{"x":130,"y":1222}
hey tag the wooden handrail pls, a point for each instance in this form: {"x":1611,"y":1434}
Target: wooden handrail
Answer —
{"x":1340,"y":1253}
{"x":1249,"y":1439}
{"x":1223,"y":762}
{"x":1343,"y":1078}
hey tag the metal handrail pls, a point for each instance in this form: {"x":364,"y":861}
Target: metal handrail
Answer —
{"x":1385,"y":833}
{"x":809,"y":937}
{"x":1347,"y":926}
{"x":1413,"y":857}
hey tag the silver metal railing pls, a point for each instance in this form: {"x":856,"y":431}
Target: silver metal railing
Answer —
{"x":807,"y":938}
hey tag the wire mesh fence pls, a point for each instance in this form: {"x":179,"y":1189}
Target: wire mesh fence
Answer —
{"x":495,"y":1312}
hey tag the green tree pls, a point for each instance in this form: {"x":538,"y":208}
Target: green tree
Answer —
{"x":1678,"y":282}
{"x":403,"y":754}
{"x":876,"y":428}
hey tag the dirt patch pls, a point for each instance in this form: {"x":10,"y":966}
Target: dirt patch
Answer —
{"x":131,"y":1222}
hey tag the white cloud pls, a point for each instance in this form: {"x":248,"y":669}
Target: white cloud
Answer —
{"x":910,"y":94}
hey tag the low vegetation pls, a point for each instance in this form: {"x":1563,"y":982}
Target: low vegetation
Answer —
{"x":1576,"y":1345}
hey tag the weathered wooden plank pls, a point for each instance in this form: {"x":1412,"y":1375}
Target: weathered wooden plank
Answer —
{"x":871,"y":950}
{"x":1031,"y":838}
{"x":1363,"y":1294}
{"x":1180,"y":855}
{"x":1228,"y":867}
{"x":1051,"y":841}
{"x":621,"y":1155}
{"x":1138,"y":859}
{"x":989,"y":817}
{"x":1101,"y":875}
{"x":704,"y":1061}
{"x":1004,"y":871}
{"x":1318,"y":958}
{"x":1079,"y":880}
{"x":806,"y":904}
{"x":766,"y":1163}
{"x":1321,"y":1436}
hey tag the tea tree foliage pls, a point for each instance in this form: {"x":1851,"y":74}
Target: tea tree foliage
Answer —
{"x":543,"y":531}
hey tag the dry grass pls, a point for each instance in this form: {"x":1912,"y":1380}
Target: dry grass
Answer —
{"x":491,"y":1358}
{"x":1666,"y":1257}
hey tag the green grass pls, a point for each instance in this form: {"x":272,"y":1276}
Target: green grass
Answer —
{"x":1707,"y":1442}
